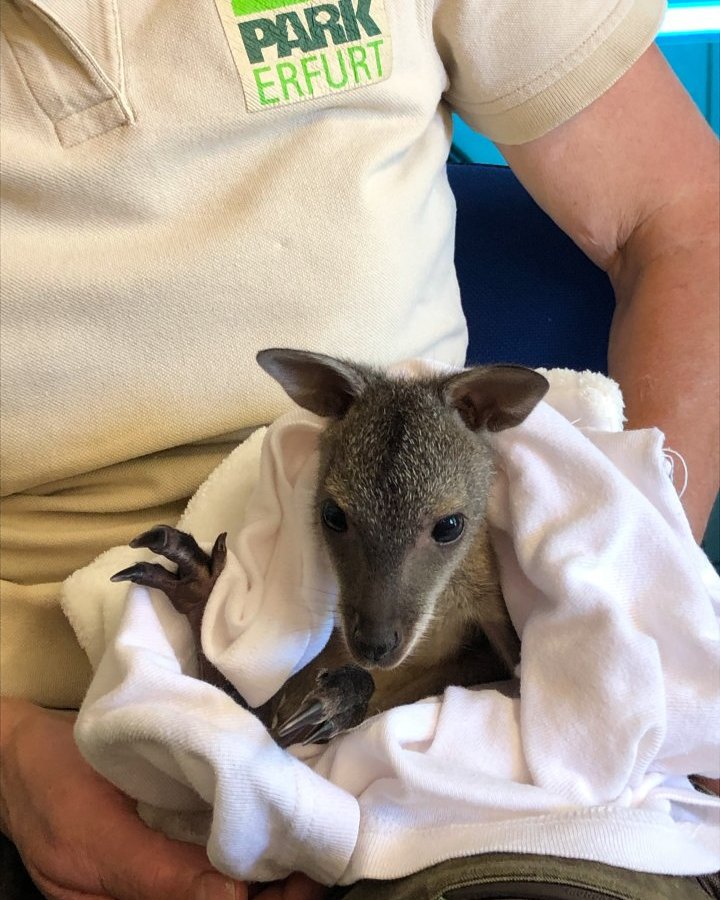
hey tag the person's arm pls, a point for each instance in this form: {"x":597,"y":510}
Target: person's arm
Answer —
{"x":633,"y":179}
{"x":80,"y":837}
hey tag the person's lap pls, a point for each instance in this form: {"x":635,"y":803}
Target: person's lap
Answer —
{"x":509,"y":876}
{"x":513,"y":876}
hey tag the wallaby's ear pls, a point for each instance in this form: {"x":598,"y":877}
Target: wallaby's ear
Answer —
{"x":495,"y":397}
{"x":321,"y":384}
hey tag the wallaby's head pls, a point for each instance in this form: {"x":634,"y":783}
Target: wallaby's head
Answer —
{"x":404,"y":477}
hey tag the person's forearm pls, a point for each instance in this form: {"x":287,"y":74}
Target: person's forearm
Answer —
{"x":665,"y":339}
{"x":633,"y":179}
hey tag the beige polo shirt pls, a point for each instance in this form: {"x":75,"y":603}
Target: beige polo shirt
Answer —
{"x":185,"y":183}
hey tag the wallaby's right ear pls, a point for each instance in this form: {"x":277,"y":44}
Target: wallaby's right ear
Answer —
{"x":495,"y":397}
{"x":321,"y":384}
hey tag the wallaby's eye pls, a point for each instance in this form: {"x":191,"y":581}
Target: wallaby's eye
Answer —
{"x":449,"y":528}
{"x":333,"y":517}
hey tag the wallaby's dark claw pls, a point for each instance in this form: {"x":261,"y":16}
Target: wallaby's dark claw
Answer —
{"x":148,"y":574}
{"x":339,"y":702}
{"x":177,"y":546}
{"x":218,"y":554}
{"x":128,"y":574}
{"x":321,"y":733}
{"x":307,"y":715}
{"x":154,"y":539}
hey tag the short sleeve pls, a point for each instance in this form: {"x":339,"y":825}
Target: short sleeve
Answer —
{"x":518,"y":68}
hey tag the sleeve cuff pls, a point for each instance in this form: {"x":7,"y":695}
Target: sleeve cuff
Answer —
{"x":584,"y":75}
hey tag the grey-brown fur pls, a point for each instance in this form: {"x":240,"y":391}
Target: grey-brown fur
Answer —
{"x":397,"y":456}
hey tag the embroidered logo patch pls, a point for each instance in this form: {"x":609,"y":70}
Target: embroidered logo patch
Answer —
{"x":287,"y":52}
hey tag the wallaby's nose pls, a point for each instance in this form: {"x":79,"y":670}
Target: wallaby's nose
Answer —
{"x":376,"y":644}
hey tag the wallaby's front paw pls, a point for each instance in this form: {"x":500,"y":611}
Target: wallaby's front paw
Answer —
{"x":189,"y":587}
{"x":338,"y":702}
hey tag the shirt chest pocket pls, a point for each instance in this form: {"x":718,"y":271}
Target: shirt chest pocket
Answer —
{"x":75,"y":75}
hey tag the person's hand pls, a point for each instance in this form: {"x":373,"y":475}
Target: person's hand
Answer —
{"x":296,"y":887}
{"x":79,"y":836}
{"x":81,"y":839}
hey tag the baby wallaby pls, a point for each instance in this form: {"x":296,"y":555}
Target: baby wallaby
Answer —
{"x":405,"y":470}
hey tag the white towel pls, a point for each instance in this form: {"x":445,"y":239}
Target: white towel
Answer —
{"x":617,"y":611}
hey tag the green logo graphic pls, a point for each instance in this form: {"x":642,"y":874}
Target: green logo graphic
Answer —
{"x":288,"y":52}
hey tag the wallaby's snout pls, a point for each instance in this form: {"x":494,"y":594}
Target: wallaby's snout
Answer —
{"x":373,"y":642}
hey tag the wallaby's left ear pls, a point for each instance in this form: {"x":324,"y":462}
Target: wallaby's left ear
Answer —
{"x":495,"y":397}
{"x":321,"y":384}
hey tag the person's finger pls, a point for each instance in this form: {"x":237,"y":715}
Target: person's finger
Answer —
{"x":300,"y":887}
{"x":213,"y":886}
{"x":150,"y":866}
{"x":296,"y":887}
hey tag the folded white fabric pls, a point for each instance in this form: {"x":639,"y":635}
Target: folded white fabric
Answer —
{"x":617,"y":611}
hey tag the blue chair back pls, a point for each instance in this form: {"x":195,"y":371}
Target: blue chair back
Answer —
{"x":530,"y":295}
